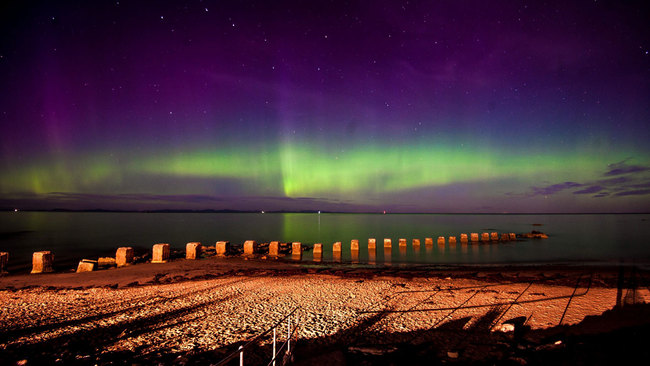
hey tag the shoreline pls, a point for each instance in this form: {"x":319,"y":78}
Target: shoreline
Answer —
{"x":179,"y":270}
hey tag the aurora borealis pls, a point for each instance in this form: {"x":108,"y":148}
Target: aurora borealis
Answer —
{"x":405,"y":106}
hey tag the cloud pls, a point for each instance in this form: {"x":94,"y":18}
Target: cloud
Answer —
{"x":637,"y":192}
{"x":591,"y":189}
{"x":623,"y":168}
{"x":554,"y":188}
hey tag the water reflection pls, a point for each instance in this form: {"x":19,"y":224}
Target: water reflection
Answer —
{"x":387,"y":255}
{"x":354,"y":256}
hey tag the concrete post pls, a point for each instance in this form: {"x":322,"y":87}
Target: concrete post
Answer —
{"x":354,"y":245}
{"x":494,"y":236}
{"x":318,"y":252}
{"x":441,"y":240}
{"x":42,"y":262}
{"x":222,"y":247}
{"x":428,"y":242}
{"x":274,"y":249}
{"x":86,"y":265}
{"x":388,"y":243}
{"x":123,"y":256}
{"x":512,"y":236}
{"x":193,"y":250}
{"x":485,"y":237}
{"x":160,"y":253}
{"x":402,"y":243}
{"x":463,"y":238}
{"x":4,"y":259}
{"x":372,"y":245}
{"x":474,"y":237}
{"x":296,"y":248}
{"x":250,"y":247}
{"x":452,"y":240}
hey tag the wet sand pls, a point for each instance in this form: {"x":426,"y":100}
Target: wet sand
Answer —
{"x":196,"y":312}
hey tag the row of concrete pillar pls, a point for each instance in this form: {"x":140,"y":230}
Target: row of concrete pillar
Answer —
{"x":43,"y":261}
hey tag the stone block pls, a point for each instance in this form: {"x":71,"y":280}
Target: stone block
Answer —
{"x":123,"y":256}
{"x":441,"y":240}
{"x":336,"y":247}
{"x":318,"y":252}
{"x":474,"y":237}
{"x":105,"y":262}
{"x":42,"y":262}
{"x":222,"y":247}
{"x":388,"y":243}
{"x":485,"y":237}
{"x":505,"y":237}
{"x":452,"y":240}
{"x":512,"y":236}
{"x":160,"y":253}
{"x":428,"y":242}
{"x":274,"y":249}
{"x":463,"y":238}
{"x":372,"y":244}
{"x":4,"y":260}
{"x":193,"y":250}
{"x":250,"y":247}
{"x":494,"y":236}
{"x":86,"y":265}
{"x":354,"y":245}
{"x":402,"y":242}
{"x":416,"y":242}
{"x":296,"y":248}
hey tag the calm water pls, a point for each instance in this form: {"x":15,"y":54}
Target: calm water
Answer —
{"x":593,"y":239}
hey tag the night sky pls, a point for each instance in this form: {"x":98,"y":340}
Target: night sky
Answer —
{"x":404,"y":106}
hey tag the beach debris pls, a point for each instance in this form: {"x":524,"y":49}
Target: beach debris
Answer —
{"x":103,"y":262}
{"x":388,"y":243}
{"x":223,"y":248}
{"x":374,"y":351}
{"x":441,"y":240}
{"x":124,"y":256}
{"x":160,"y":253}
{"x":42,"y":262}
{"x":507,"y":327}
{"x":463,"y":238}
{"x":474,"y":237}
{"x":193,"y":250}
{"x":86,"y":265}
{"x":534,"y":235}
{"x":4,"y":259}
{"x":250,"y":247}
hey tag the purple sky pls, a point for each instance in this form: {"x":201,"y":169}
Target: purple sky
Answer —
{"x":454,"y":106}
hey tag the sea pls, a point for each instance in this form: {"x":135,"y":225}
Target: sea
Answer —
{"x":582,"y":239}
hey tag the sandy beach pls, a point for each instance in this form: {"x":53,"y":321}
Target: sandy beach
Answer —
{"x":196,"y":312}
